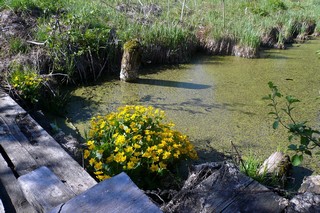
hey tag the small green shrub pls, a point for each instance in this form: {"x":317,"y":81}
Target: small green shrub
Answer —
{"x":135,"y":140}
{"x":307,"y":136}
{"x":26,"y":83}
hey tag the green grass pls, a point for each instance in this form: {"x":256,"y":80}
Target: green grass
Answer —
{"x":250,"y":166}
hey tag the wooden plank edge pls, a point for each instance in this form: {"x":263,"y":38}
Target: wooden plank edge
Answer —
{"x":115,"y":195}
{"x":12,"y":194}
{"x":44,"y":190}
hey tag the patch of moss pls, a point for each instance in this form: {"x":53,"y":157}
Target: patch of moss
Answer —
{"x":131,"y":45}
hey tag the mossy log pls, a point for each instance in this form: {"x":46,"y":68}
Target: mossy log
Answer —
{"x":131,"y":61}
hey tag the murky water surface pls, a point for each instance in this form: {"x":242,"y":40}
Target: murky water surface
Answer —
{"x":216,"y":100}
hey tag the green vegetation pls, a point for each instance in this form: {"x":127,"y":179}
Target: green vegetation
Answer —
{"x":135,"y":140}
{"x":84,"y":38}
{"x":307,"y":137}
{"x":17,"y":46}
{"x":250,"y":166}
{"x":26,"y":83}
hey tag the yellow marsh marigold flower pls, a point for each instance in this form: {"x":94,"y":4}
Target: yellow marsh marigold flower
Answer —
{"x":155,"y":158}
{"x":176,"y":154}
{"x":154,"y":167}
{"x":103,"y":177}
{"x":137,"y":137}
{"x":137,"y":154}
{"x":176,"y":146}
{"x":159,"y":151}
{"x":86,"y":154}
{"x":98,"y":166}
{"x":166,"y":155}
{"x":103,"y":124}
{"x":130,"y":165}
{"x":162,"y":165}
{"x":146,"y":155}
{"x":148,"y":138}
{"x":92,"y":161}
{"x":120,"y":157}
{"x":91,"y":145}
{"x":129,"y":149}
{"x":134,"y":159}
{"x":121,"y":139}
{"x":136,"y":146}
{"x":98,"y":173}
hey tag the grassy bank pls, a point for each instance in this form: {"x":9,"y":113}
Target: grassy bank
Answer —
{"x":84,"y":38}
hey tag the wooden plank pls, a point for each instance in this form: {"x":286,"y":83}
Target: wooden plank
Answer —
{"x":15,"y":200}
{"x":43,"y":148}
{"x":115,"y":195}
{"x":22,"y":161}
{"x":47,"y":152}
{"x":256,"y":198}
{"x":44,"y":190}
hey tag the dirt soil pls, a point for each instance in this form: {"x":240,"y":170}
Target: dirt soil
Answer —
{"x":18,"y":26}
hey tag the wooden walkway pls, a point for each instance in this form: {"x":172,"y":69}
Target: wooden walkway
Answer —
{"x":37,"y":174}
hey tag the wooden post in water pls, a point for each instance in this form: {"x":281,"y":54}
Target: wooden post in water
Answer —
{"x":131,"y":60}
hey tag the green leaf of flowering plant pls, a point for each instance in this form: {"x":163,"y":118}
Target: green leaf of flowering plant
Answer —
{"x":292,"y":147}
{"x":308,"y":152}
{"x":296,"y":160}
{"x":292,"y":99}
{"x":275,"y":124}
{"x":304,"y":141}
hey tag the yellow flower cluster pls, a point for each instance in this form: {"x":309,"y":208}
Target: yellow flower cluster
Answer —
{"x":134,"y":139}
{"x":27,"y":84}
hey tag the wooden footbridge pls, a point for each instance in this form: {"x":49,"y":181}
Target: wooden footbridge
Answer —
{"x":38,"y":175}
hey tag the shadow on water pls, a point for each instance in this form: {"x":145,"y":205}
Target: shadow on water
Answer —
{"x":167,"y":83}
{"x":273,"y":55}
{"x":193,"y":105}
{"x":207,"y":153}
{"x":298,"y":173}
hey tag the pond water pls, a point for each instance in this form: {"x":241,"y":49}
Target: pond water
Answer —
{"x":216,"y":100}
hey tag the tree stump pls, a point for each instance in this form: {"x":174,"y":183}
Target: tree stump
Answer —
{"x":131,"y":61}
{"x":277,"y":164}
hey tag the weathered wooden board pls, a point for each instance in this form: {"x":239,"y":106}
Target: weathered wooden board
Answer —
{"x":16,"y":199}
{"x":47,"y":152}
{"x":21,"y":159}
{"x":44,"y":190}
{"x":115,"y":195}
{"x":43,"y":148}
